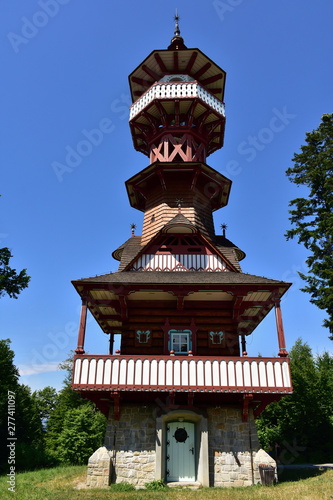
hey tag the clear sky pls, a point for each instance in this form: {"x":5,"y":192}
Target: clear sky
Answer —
{"x":64,"y":206}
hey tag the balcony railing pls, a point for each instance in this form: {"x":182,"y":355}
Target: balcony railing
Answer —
{"x":182,"y":374}
{"x":183,"y":90}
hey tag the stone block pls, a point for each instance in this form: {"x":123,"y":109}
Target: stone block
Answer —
{"x":99,"y":469}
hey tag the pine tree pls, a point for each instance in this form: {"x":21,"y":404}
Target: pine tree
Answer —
{"x":312,"y":217}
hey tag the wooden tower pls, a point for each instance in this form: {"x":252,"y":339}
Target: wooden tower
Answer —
{"x":181,"y":394}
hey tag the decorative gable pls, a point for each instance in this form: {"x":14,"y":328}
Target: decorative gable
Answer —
{"x":180,"y":252}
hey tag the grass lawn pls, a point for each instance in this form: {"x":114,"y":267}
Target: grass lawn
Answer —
{"x":62,"y":483}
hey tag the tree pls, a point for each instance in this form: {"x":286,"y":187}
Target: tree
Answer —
{"x":312,"y":217}
{"x":82,"y":434}
{"x":9,"y":382}
{"x":75,"y":428}
{"x":21,"y":413}
{"x":45,"y":401}
{"x":301,"y":423}
{"x":11,"y":282}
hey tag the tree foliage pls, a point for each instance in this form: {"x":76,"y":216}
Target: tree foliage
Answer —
{"x":83,"y":432}
{"x":11,"y":282}
{"x":28,"y":427}
{"x":312,"y":217}
{"x":301,"y":424}
{"x":68,"y":439}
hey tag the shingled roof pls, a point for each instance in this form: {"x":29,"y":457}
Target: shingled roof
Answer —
{"x":188,"y":277}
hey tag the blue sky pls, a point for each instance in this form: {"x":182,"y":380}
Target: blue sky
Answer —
{"x":65,"y":65}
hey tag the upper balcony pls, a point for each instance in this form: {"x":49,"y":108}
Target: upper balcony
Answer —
{"x":179,"y":90}
{"x":177,"y":121}
{"x":182,"y":374}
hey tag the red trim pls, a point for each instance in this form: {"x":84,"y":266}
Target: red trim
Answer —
{"x":279,"y":324}
{"x":82,"y":328}
{"x":246,"y":401}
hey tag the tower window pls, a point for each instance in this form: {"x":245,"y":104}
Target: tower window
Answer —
{"x":180,"y":341}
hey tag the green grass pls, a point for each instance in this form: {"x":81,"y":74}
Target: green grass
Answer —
{"x":61,"y":483}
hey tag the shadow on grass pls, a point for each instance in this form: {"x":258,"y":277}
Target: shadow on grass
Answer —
{"x":294,"y":474}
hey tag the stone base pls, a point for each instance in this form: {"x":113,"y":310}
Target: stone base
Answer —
{"x":228,"y":452}
{"x":99,"y":469}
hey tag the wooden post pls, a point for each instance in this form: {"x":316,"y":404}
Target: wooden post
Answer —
{"x":279,"y":325}
{"x":82,"y":328}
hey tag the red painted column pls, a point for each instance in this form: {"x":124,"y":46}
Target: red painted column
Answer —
{"x":82,"y":328}
{"x":280,"y":331}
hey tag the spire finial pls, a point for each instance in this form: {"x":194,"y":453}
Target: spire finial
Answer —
{"x":177,"y":42}
{"x":133,"y":227}
{"x":179,"y":202}
{"x":176,"y":18}
{"x":223,"y":227}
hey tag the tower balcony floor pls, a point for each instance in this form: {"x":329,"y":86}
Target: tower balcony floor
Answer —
{"x":195,"y":374}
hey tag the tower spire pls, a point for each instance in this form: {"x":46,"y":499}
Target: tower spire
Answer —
{"x":176,"y":18}
{"x":177,"y":41}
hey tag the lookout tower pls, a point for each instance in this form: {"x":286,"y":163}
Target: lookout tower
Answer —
{"x":181,"y":394}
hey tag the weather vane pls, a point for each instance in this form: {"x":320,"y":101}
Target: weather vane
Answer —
{"x":179,"y":202}
{"x":223,"y":227}
{"x":176,"y":18}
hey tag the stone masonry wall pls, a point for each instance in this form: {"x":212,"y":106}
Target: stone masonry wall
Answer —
{"x":131,"y":442}
{"x":229,"y":448}
{"x":129,"y":452}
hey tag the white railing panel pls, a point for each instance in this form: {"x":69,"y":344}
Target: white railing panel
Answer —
{"x":270,"y":374}
{"x":115,"y":372}
{"x":247,"y":374}
{"x":239,"y":374}
{"x":153,"y":372}
{"x":169,"y":372}
{"x":130,"y":372}
{"x":224,"y":374}
{"x":176,"y":373}
{"x":107,"y":371}
{"x":84,"y":371}
{"x":200,"y":374}
{"x":146,"y":372}
{"x":262,"y":374}
{"x":99,"y":371}
{"x":286,"y":374}
{"x":231,"y":373}
{"x":161,"y":372}
{"x":185,"y":366}
{"x":138,"y":372}
{"x":77,"y":371}
{"x":278,"y":374}
{"x":216,"y":374}
{"x":255,"y":374}
{"x":123,"y":372}
{"x":208,"y":373}
{"x":193,"y":373}
{"x":92,"y":372}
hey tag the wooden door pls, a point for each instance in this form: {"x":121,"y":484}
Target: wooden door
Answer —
{"x":180,"y":449}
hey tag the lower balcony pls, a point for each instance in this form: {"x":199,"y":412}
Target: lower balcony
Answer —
{"x":182,"y":374}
